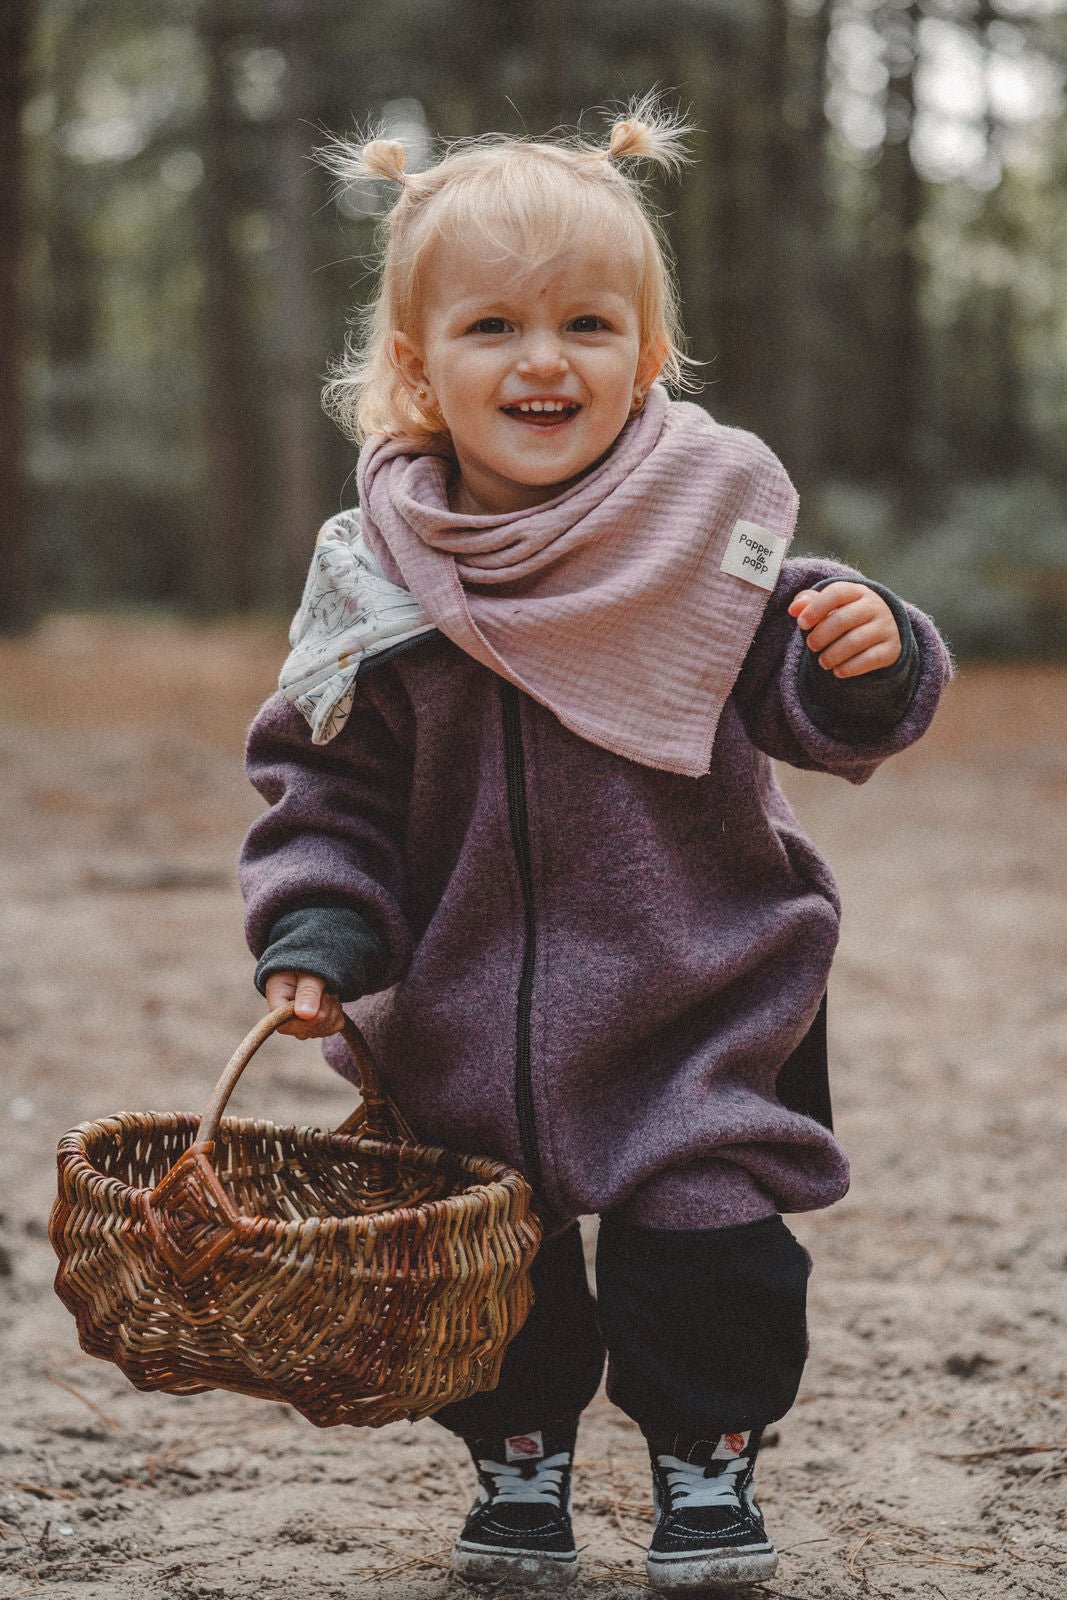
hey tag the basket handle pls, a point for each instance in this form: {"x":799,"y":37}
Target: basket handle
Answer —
{"x":381,"y":1120}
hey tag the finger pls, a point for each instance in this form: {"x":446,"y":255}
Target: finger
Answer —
{"x":335,"y":1018}
{"x":882,"y":655}
{"x":308,"y":999}
{"x":846,"y":619}
{"x":329,"y":1018}
{"x":281,"y":987}
{"x":810,"y":606}
{"x":853,"y":643}
{"x":802,"y":598}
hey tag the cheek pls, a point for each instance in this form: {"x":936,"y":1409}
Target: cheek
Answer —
{"x":622,"y":372}
{"x":463,"y":374}
{"x":621,"y":383}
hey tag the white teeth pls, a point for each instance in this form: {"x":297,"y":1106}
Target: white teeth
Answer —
{"x":542,"y":405}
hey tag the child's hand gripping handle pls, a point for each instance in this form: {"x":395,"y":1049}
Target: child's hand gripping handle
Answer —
{"x":377,"y":1116}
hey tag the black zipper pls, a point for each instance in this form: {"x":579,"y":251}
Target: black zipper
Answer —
{"x":390,"y":654}
{"x":515,"y":769}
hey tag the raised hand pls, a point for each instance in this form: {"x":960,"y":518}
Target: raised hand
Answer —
{"x":848,"y":626}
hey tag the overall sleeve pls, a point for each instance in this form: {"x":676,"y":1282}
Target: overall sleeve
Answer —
{"x":795,"y":711}
{"x":322,"y":869}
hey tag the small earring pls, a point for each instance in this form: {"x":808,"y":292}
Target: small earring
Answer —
{"x":639,"y":401}
{"x":422,"y":394}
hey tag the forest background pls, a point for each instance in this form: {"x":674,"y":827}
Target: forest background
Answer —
{"x":871,"y":246}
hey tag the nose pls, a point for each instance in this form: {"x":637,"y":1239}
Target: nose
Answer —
{"x":541,"y":354}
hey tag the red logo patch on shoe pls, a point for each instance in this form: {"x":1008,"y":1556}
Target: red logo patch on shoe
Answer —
{"x":736,"y":1442}
{"x":524,"y":1446}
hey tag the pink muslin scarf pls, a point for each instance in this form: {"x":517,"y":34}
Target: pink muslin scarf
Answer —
{"x":626,"y":604}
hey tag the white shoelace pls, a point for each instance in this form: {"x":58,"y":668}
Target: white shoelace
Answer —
{"x":689,"y":1487}
{"x":544,"y":1487}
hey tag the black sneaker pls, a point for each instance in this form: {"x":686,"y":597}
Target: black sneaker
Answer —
{"x":710,"y":1533}
{"x":519,"y":1528}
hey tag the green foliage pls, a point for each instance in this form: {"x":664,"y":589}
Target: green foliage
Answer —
{"x":991,"y":567}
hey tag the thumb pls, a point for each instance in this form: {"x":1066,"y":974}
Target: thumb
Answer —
{"x":308,"y":995}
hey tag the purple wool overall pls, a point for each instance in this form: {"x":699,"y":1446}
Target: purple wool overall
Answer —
{"x":611,"y":976}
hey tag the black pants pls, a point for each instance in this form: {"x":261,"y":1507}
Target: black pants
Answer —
{"x":705,"y":1332}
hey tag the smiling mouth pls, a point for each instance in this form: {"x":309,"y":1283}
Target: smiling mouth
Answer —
{"x":542,"y":413}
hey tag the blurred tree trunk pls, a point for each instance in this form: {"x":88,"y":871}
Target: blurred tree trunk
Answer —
{"x":292,"y":324}
{"x":778,"y":221}
{"x":982,"y":417}
{"x":801,"y":233}
{"x":736,"y":374}
{"x":901,"y":450}
{"x":72,"y":302}
{"x":1005,"y":446}
{"x":693,"y":213}
{"x":783,"y":226}
{"x":70,"y":502}
{"x":222,"y":572}
{"x":16,"y":587}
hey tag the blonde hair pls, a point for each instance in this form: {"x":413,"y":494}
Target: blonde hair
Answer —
{"x":524,"y":197}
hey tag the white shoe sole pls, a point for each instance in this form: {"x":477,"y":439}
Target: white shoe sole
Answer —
{"x":483,"y":1564}
{"x":681,"y":1574}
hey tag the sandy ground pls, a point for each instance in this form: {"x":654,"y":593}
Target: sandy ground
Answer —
{"x":928,"y":1450}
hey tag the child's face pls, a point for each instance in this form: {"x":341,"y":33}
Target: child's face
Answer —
{"x":494,"y":340}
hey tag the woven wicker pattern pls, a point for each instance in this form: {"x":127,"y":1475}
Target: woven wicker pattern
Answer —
{"x":360,"y":1278}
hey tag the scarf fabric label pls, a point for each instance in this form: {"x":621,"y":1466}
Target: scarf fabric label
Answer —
{"x":755,"y":554}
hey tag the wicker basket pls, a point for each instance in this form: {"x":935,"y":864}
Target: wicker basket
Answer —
{"x":357,"y":1275}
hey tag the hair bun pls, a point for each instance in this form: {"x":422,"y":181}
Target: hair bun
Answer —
{"x":649,"y":132}
{"x":355,"y":163}
{"x":384,"y":158}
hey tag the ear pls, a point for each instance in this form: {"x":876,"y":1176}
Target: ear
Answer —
{"x":406,"y":355}
{"x":650,"y":362}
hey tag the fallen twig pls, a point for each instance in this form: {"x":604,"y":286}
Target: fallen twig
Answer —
{"x":778,"y":1594}
{"x":1000,"y":1450}
{"x":434,"y":1561}
{"x":1027,"y":1560}
{"x":68,"y":1388}
{"x":919,"y":1558}
{"x":850,"y":1560}
{"x":619,"y":1508}
{"x":602,"y":1569}
{"x":904,"y":1553}
{"x":42,"y":1489}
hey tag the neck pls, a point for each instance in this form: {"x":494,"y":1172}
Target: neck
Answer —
{"x":465,"y":501}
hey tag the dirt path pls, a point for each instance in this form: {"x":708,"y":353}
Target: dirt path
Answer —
{"x":928,"y":1453}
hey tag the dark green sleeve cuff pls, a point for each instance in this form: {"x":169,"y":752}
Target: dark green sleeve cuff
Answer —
{"x":334,"y":943}
{"x":856,"y":710}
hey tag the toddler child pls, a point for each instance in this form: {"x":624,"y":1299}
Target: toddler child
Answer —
{"x":522,"y":811}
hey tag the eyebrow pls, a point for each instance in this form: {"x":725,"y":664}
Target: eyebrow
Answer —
{"x":474,"y":306}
